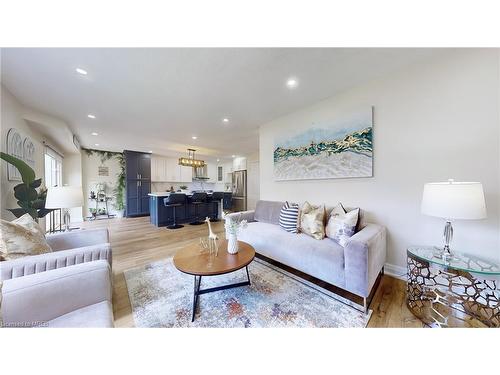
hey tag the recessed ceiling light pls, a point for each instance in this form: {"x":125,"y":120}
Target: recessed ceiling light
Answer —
{"x":91,"y":116}
{"x":96,"y":144}
{"x":94,"y":133}
{"x":292,"y":83}
{"x":194,"y":137}
{"x":218,"y":160}
{"x":225,"y":120}
{"x":81,"y":71}
{"x":233,"y":156}
{"x":150,"y":152}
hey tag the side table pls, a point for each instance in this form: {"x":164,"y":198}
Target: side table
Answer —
{"x":461,"y":292}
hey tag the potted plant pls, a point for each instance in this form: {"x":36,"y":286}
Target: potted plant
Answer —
{"x":233,"y":227}
{"x":30,"y":200}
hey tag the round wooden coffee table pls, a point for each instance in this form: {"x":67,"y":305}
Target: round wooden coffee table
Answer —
{"x":198,"y":263}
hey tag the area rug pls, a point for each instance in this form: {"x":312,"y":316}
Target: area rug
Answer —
{"x":162,"y":296}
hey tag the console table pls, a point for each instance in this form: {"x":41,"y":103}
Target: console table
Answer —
{"x":461,"y":292}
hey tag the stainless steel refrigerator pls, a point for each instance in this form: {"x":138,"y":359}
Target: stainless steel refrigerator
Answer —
{"x":239,"y":199}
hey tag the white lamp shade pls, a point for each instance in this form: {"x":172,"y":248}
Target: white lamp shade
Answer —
{"x":64,"y":197}
{"x":454,"y":200}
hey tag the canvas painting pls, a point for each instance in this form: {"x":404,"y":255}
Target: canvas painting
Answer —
{"x":339,"y":148}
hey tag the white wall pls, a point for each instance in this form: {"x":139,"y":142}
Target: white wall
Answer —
{"x":432,"y":121}
{"x":72,"y":176}
{"x":253,"y":180}
{"x":90,"y":176}
{"x":12,"y":117}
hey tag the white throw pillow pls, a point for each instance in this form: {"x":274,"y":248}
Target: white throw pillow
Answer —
{"x":341,"y":224}
{"x":22,"y":237}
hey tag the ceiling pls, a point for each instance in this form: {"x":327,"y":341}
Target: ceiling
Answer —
{"x":156,"y":99}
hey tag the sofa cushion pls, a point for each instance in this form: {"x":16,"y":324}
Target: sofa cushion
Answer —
{"x":22,"y":237}
{"x":342,"y":225}
{"x":324,"y":259}
{"x":289,"y":216}
{"x":99,"y":315}
{"x":268,"y":212}
{"x":312,"y":220}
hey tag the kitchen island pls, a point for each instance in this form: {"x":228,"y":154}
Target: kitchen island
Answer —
{"x":161,"y":216}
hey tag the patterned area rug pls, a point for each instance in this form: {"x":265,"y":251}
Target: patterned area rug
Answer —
{"x":162,"y":296}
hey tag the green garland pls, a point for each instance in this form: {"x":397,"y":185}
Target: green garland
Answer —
{"x":104,"y":155}
{"x":119,"y":190}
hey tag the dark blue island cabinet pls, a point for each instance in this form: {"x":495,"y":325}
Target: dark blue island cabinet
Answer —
{"x":138,"y":182}
{"x":161,"y":216}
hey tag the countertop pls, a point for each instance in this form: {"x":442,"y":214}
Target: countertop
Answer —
{"x":166,"y":194}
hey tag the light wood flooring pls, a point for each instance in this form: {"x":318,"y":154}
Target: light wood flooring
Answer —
{"x":136,"y":242}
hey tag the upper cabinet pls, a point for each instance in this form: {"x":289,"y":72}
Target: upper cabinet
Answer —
{"x":212,"y":172}
{"x":186,"y":174}
{"x":168,"y":170}
{"x":158,"y":169}
{"x":137,"y":165}
{"x":239,"y":164}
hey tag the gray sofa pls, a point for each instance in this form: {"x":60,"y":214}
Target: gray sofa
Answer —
{"x":69,"y":287}
{"x":354,"y":268}
{"x":74,"y":296}
{"x":67,"y":249}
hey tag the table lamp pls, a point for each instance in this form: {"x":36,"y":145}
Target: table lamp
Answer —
{"x":64,"y":197}
{"x":453,"y":201}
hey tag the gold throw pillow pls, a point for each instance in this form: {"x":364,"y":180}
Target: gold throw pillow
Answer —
{"x":22,"y":237}
{"x":312,"y":220}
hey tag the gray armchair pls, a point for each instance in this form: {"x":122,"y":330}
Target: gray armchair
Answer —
{"x":67,"y":249}
{"x":75,"y":296}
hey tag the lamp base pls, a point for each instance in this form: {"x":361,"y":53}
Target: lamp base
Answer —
{"x":66,"y":220}
{"x":445,"y":253}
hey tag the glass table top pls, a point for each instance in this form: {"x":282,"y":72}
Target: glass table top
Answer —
{"x":460,"y":261}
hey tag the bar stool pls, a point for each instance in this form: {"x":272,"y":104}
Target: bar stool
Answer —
{"x":175,"y":200}
{"x":218,"y":198}
{"x":197,"y":200}
{"x":228,"y":200}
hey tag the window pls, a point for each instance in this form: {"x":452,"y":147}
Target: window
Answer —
{"x":219,"y":173}
{"x":53,"y":177}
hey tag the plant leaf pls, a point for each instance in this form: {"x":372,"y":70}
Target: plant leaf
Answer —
{"x":36,"y":184}
{"x":39,"y":203}
{"x":18,"y":212}
{"x":44,"y":211}
{"x":27,"y":173}
{"x":25,"y":193}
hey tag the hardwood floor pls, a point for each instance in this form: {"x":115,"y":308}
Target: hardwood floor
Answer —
{"x":136,"y":242}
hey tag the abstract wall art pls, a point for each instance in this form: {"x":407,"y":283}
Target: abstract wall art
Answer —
{"x":341,"y":147}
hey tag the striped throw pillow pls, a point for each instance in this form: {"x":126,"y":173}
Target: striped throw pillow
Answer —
{"x":288,"y":217}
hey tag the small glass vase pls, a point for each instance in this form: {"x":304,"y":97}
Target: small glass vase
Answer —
{"x":232,"y":244}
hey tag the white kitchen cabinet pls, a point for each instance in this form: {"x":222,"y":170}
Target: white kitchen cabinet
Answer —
{"x":168,"y":170}
{"x":158,"y":169}
{"x":186,"y":174}
{"x":212,"y":172}
{"x":239,"y":164}
{"x":173,"y":172}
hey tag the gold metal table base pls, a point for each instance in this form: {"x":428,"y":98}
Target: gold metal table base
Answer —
{"x":443,"y":297}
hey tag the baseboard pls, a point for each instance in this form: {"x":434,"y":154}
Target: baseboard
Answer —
{"x":395,"y":271}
